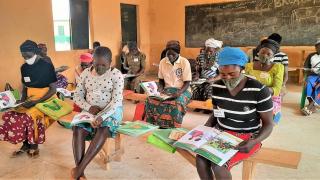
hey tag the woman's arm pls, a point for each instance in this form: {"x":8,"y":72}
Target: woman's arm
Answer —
{"x":212,"y":121}
{"x":80,"y":93}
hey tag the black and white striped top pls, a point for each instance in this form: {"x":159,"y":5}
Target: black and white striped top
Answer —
{"x":242,"y":111}
{"x":281,"y":58}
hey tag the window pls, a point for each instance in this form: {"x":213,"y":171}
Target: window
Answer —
{"x":71,"y":24}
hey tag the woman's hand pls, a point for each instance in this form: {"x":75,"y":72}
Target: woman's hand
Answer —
{"x":97,"y":122}
{"x":246,"y":146}
{"x":94,"y":110}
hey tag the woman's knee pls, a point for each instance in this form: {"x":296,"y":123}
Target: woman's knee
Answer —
{"x":104,"y":131}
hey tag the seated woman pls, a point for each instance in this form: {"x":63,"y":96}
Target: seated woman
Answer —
{"x":28,"y":124}
{"x":243,"y":108}
{"x":174,"y":80}
{"x":269,"y":74}
{"x":85,"y":62}
{"x":99,"y":88}
{"x":208,"y":70}
{"x":313,"y":82}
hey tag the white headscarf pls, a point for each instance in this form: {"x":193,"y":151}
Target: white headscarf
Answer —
{"x":318,"y":41}
{"x":213,"y":43}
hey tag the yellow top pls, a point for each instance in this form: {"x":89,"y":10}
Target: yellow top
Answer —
{"x":272,"y":78}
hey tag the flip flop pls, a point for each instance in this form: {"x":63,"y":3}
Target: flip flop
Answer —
{"x":306,"y":111}
{"x":18,"y":153}
{"x":33,"y":153}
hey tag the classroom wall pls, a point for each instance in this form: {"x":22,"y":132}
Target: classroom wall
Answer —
{"x":32,"y":19}
{"x":168,"y":22}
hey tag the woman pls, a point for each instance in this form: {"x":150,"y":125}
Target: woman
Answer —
{"x":85,"y":62}
{"x":62,"y":81}
{"x":268,"y":73}
{"x":174,"y":80}
{"x":313,"y":82}
{"x":99,"y":92}
{"x":243,"y":108}
{"x":28,"y":124}
{"x":208,"y":70}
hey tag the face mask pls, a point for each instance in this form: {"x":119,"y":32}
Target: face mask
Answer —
{"x":100,"y":69}
{"x":31,"y":60}
{"x":234,"y":82}
{"x":264,"y":59}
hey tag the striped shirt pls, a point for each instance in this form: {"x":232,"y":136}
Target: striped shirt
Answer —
{"x":242,"y":111}
{"x":280,"y":57}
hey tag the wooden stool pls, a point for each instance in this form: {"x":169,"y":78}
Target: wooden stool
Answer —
{"x":107,"y":154}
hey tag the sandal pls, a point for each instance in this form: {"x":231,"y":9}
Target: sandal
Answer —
{"x":33,"y":153}
{"x":306,"y":111}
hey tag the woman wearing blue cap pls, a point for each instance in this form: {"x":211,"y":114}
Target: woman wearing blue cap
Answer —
{"x":243,"y":108}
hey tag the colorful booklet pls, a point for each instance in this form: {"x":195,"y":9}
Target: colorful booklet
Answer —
{"x":136,"y":128}
{"x":151,"y":89}
{"x":164,"y":138}
{"x":83,"y":117}
{"x":86,"y":117}
{"x":7,"y":101}
{"x":215,"y":145}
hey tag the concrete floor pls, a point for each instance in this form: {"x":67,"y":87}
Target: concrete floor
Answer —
{"x":142,"y":161}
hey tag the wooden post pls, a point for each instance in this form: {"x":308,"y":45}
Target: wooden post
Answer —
{"x":119,"y":150}
{"x":248,"y":170}
{"x":106,"y":150}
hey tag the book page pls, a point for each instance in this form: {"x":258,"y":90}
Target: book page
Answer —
{"x":221,"y":148}
{"x":150,"y":88}
{"x":65,"y":92}
{"x":7,"y":100}
{"x":83,"y":117}
{"x":198,"y":137}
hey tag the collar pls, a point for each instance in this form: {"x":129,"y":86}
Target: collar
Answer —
{"x":177,"y":61}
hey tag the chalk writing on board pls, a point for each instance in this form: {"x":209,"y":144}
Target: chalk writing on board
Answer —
{"x":244,"y":23}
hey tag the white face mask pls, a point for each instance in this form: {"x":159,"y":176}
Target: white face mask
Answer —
{"x":31,"y":60}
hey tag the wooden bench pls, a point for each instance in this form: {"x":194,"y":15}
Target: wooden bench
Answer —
{"x":274,"y":157}
{"x":107,"y":153}
{"x":193,"y":103}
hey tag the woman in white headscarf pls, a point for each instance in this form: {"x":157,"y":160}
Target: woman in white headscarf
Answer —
{"x":208,"y":69}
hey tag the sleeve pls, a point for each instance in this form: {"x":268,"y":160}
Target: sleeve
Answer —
{"x":117,"y":97}
{"x":277,"y":79}
{"x":143,"y":61}
{"x":186,"y":74}
{"x":160,"y":75}
{"x":80,"y":93}
{"x":285,"y":60}
{"x":22,"y":74}
{"x":264,"y":100}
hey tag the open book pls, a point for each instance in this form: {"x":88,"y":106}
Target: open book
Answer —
{"x":86,"y":117}
{"x":215,"y":145}
{"x":164,"y":138}
{"x":136,"y":128}
{"x":7,"y":100}
{"x":65,"y":92}
{"x":151,"y":89}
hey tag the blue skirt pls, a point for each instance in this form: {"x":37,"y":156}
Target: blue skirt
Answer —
{"x":312,"y":91}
